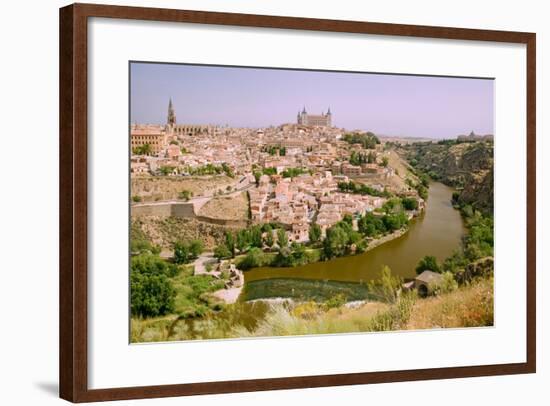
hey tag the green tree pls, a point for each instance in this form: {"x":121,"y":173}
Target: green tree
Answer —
{"x":253,"y":259}
{"x":230,"y":243}
{"x":144,"y":149}
{"x":335,"y":243}
{"x":282,"y":239}
{"x":182,"y":253}
{"x":221,"y":251}
{"x":368,"y":229}
{"x":151,"y":295}
{"x":269,"y":241}
{"x":148,"y":263}
{"x":428,"y":263}
{"x":151,"y":290}
{"x":256,"y":236}
{"x":455,"y":262}
{"x":196,"y":248}
{"x":385,"y":161}
{"x":409,"y":203}
{"x":314,"y":233}
{"x":354,"y":237}
{"x":243,"y":240}
{"x":347,"y":219}
{"x":396,"y":221}
{"x":166,"y":170}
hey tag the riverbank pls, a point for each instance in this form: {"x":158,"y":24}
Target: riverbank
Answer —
{"x":312,"y":255}
{"x":387,"y":238}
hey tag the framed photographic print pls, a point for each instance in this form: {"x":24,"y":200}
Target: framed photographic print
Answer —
{"x":255,"y":202}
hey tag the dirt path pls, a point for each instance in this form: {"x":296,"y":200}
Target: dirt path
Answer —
{"x":201,"y":262}
{"x":228,"y":295}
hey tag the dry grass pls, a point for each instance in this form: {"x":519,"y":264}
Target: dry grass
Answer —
{"x":470,"y":306}
{"x":148,"y":330}
{"x":166,"y":231}
{"x":153,"y":188}
{"x":234,"y":207}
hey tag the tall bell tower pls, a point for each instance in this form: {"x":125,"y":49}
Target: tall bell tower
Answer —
{"x":171,"y":120}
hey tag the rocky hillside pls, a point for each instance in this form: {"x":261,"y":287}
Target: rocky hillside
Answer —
{"x":466,"y":166}
{"x":164,"y":232}
{"x":156,"y":188}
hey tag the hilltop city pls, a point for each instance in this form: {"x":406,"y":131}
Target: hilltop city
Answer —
{"x":295,"y":174}
{"x":233,"y":230}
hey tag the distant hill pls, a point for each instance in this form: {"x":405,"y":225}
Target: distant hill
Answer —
{"x":472,"y":137}
{"x":468,"y":166}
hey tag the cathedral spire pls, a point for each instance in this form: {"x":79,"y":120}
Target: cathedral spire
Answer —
{"x":171,"y":120}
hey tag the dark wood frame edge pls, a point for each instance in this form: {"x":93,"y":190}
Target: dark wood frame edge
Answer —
{"x":73,"y":201}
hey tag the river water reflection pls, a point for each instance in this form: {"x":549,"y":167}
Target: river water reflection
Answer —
{"x":438,"y":232}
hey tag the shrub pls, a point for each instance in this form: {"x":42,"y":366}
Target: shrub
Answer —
{"x":221,"y":251}
{"x":308,"y":310}
{"x":387,"y":288}
{"x":182,"y":254}
{"x":143,"y":246}
{"x":409,"y":203}
{"x":196,"y":248}
{"x":335,"y":301}
{"x":448,"y":284}
{"x":185,"y":195}
{"x":151,"y":264}
{"x":428,"y":263}
{"x":136,"y":199}
{"x":254,"y":258}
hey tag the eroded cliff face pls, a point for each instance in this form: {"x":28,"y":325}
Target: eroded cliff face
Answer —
{"x":466,"y":166}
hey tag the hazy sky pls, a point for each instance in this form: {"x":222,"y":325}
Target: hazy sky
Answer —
{"x":413,"y":106}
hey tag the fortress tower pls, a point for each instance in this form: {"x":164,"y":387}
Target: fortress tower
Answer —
{"x":324,"y":120}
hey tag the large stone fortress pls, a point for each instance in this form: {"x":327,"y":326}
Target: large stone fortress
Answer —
{"x":323,"y":120}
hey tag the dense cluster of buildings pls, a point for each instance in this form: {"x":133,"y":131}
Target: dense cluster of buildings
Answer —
{"x":292,"y":170}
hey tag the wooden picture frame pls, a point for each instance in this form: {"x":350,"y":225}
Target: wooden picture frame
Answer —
{"x":73,"y":199}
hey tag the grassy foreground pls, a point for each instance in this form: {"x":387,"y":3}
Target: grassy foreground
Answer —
{"x":468,"y":306}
